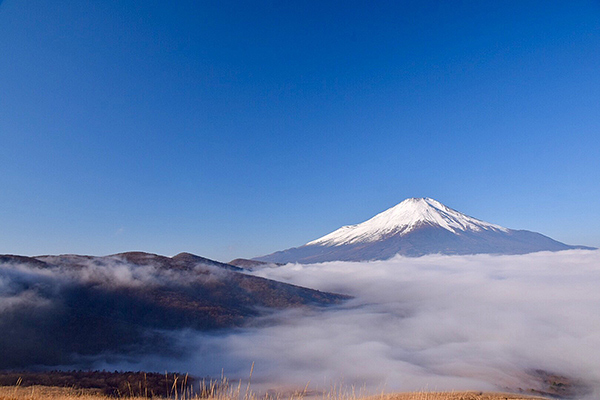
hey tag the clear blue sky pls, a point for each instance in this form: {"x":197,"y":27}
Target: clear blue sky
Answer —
{"x":237,"y":128}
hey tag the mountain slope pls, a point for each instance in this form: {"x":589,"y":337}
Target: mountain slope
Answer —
{"x":56,"y":309}
{"x":416,"y":227}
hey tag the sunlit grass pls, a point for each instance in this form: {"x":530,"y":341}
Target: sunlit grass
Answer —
{"x":240,"y":391}
{"x":182,"y":388}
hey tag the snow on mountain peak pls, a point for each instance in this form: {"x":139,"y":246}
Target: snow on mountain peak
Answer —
{"x":403,"y":218}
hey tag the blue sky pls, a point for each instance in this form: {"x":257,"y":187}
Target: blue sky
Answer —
{"x":236,"y":128}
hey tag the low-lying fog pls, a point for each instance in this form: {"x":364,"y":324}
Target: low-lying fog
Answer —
{"x":436,"y":322}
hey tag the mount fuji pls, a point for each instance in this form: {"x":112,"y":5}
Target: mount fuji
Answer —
{"x":416,"y":227}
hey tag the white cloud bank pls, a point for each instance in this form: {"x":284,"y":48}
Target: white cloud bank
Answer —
{"x":436,"y":322}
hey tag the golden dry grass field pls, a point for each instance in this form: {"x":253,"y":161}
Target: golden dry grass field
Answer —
{"x":56,"y":393}
{"x":455,"y":396}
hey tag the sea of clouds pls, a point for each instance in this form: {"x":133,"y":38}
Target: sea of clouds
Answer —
{"x":479,"y":322}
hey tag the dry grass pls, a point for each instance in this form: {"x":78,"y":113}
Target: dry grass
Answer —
{"x":225,"y":390}
{"x":455,"y":396}
{"x":46,"y":392}
{"x":241,"y":393}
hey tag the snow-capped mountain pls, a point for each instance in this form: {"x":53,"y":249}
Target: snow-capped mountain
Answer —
{"x":404,"y":218}
{"x":415,"y":227}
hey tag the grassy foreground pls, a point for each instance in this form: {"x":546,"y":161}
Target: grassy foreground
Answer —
{"x":57,"y":393}
{"x":103,"y":385}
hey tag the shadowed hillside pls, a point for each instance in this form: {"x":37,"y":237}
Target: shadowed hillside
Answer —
{"x":58,"y":308}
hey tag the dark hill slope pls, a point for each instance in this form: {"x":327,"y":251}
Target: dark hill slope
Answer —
{"x":56,"y":307}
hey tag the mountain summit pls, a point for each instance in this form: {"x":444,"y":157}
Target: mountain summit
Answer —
{"x":404,"y":218}
{"x":416,"y":227}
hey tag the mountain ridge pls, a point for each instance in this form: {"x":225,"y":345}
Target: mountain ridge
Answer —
{"x":60,"y":309}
